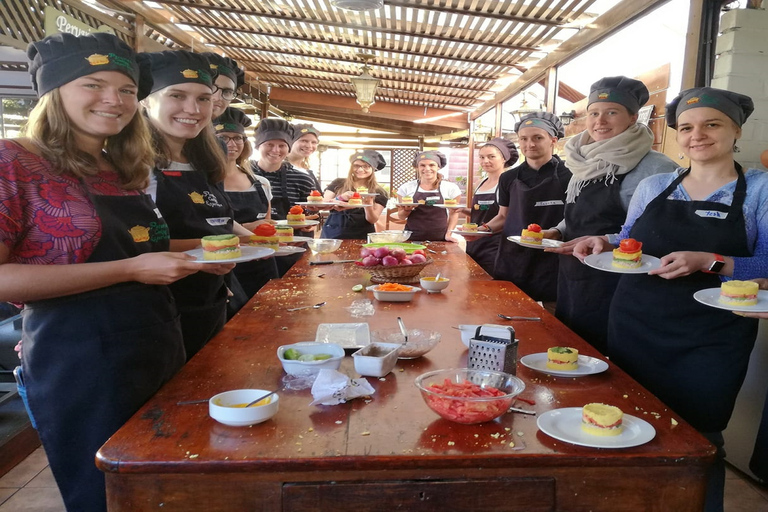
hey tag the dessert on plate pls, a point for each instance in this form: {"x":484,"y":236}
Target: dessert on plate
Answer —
{"x":355,"y":199}
{"x":362,"y":190}
{"x":601,"y":420}
{"x":629,"y":254}
{"x":265,"y":235}
{"x":469,"y":226}
{"x":562,"y":358}
{"x":451,"y":202}
{"x":284,"y":233}
{"x":532,"y":234}
{"x":407,"y":199}
{"x":221,"y":247}
{"x":315,"y":197}
{"x":296,"y":215}
{"x":738,"y":293}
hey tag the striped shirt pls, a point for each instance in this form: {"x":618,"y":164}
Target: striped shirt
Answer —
{"x":298,"y":186}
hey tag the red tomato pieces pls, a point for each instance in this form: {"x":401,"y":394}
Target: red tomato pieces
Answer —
{"x":630,"y":245}
{"x":534,"y":227}
{"x":466,"y":411}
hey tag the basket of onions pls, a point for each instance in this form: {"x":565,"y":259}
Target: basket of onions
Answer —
{"x":393,"y":264}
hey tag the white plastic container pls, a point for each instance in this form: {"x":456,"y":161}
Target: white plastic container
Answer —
{"x":376,"y":359}
{"x":295,"y":367}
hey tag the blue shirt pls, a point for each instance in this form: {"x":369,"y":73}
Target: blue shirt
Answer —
{"x":755,"y":214}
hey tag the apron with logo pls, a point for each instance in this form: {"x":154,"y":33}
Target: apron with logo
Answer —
{"x":484,"y":208}
{"x":427,"y":222}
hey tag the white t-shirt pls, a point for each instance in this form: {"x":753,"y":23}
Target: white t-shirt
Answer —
{"x":448,"y":189}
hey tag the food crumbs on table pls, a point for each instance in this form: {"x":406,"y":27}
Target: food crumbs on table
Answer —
{"x":451,"y":443}
{"x":520,"y":433}
{"x":339,"y":422}
{"x":477,"y":435}
{"x":402,"y":369}
{"x":283,"y":328}
{"x":194,"y":456}
{"x":674,"y":422}
{"x":382,"y":379}
{"x":496,"y":435}
{"x":310,"y":429}
{"x":366,"y":433}
{"x":301,"y":436}
{"x":626,"y":396}
{"x":434,"y":439}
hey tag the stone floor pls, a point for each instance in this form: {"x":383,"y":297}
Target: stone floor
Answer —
{"x":30,"y":487}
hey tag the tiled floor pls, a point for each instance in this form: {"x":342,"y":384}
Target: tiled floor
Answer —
{"x":29,"y":487}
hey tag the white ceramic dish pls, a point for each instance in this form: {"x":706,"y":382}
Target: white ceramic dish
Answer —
{"x":320,"y":204}
{"x":711,"y":297}
{"x":249,"y":254}
{"x":604,"y":261}
{"x":298,"y":239}
{"x":471,"y":233}
{"x":546,"y":243}
{"x":428,"y":283}
{"x":565,"y":425}
{"x":242,"y":416}
{"x":450,"y":206}
{"x":468,"y":332}
{"x":376,"y":359}
{"x":295,"y":367}
{"x":385,"y":296}
{"x":287,"y":250}
{"x":304,"y":224}
{"x":348,"y":336}
{"x":587,"y":365}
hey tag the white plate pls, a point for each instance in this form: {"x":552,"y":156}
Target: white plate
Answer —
{"x":565,"y":425}
{"x":587,"y":365}
{"x":409,"y":204}
{"x":308,"y":203}
{"x":710,"y":297}
{"x":306,"y":223}
{"x":352,"y":336}
{"x":249,"y":253}
{"x":471,"y":233}
{"x":297,"y":239}
{"x":604,"y":261}
{"x":449,"y":206}
{"x":286,"y":250}
{"x":546,"y":243}
{"x":350,"y":206}
{"x":368,"y":194}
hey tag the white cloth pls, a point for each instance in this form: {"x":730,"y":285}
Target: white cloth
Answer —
{"x":332,"y":387}
{"x":448,"y":189}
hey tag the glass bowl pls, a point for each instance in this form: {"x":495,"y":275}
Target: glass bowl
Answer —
{"x":419,"y":341}
{"x":390,"y":236}
{"x":324,"y":245}
{"x":469,"y":396}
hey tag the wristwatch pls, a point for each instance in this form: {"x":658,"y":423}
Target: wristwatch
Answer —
{"x":716,"y":265}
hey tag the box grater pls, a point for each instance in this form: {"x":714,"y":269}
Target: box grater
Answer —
{"x":498,"y":353}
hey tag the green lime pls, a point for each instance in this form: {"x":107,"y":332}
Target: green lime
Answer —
{"x":306,"y":357}
{"x":291,"y":354}
{"x":322,"y":357}
{"x":357,"y":288}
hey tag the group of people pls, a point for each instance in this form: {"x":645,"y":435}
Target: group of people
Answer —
{"x":128,"y":159}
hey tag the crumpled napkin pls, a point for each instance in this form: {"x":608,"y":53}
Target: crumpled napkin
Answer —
{"x":332,"y":387}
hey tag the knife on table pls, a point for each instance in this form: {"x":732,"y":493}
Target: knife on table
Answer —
{"x":329,"y":262}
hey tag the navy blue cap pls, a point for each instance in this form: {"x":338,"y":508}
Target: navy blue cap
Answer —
{"x":547,"y":121}
{"x":232,"y":120}
{"x":628,"y":92}
{"x":736,"y":106}
{"x":179,"y":67}
{"x":371,"y":157}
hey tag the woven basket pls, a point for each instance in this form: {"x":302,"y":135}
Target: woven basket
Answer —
{"x":397,"y":273}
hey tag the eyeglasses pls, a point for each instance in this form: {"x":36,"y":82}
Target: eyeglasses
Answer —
{"x":227,"y":94}
{"x":237,"y":139}
{"x":362,"y":167}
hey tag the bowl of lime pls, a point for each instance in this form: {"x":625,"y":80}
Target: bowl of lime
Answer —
{"x":309,"y":356}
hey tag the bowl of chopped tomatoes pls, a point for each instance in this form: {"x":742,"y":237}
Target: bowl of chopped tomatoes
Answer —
{"x":468,"y":396}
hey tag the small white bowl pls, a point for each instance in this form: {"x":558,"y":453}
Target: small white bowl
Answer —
{"x":432,"y":286}
{"x":296,"y":367}
{"x":376,"y":359}
{"x":220,"y":407}
{"x":393,"y":296}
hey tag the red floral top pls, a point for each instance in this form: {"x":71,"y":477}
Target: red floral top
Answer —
{"x":44,"y":218}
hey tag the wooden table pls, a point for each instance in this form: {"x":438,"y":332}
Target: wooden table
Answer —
{"x":391,"y":451}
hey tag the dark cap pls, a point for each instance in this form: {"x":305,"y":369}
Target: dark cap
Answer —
{"x":628,"y":92}
{"x":736,"y":106}
{"x":300,"y":130}
{"x":179,"y":67}
{"x":435,"y":156}
{"x":507,"y":149}
{"x":232,"y":120}
{"x":547,"y":121}
{"x":60,"y":58}
{"x":221,"y":65}
{"x":371,"y":157}
{"x":274,"y":129}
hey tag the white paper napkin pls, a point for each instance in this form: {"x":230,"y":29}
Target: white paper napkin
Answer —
{"x":332,"y":387}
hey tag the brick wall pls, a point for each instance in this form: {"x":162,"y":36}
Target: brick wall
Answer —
{"x":742,"y":66}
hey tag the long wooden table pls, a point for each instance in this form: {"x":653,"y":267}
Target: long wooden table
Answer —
{"x":391,"y":451}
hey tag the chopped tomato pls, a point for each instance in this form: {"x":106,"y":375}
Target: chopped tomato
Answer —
{"x":630,"y":245}
{"x":534,"y":227}
{"x":462,"y":410}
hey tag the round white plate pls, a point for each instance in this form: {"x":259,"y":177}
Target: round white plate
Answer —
{"x":308,"y":203}
{"x":286,"y":250}
{"x":604,"y":261}
{"x":546,"y":243}
{"x":299,"y":239}
{"x":409,"y":204}
{"x":306,"y":223}
{"x":449,"y":206}
{"x":350,"y":206}
{"x":711,"y":296}
{"x":249,"y":253}
{"x":565,"y":425}
{"x":587,"y":365}
{"x":471,"y":233}
{"x":368,"y":194}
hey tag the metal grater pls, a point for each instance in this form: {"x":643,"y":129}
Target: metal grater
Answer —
{"x":496,"y":353}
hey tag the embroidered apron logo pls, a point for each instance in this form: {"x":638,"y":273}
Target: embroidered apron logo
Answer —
{"x":197,"y":198}
{"x":554,"y":202}
{"x":711,"y":214}
{"x":159,"y":231}
{"x":210,"y":199}
{"x":139,"y":233}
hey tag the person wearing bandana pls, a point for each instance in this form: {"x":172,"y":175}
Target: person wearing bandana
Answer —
{"x":707,"y":223}
{"x":496,"y":157}
{"x":424,"y":220}
{"x":86,"y":252}
{"x":607,"y":162}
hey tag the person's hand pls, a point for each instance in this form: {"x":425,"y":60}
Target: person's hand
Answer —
{"x":682,"y":263}
{"x":552,"y":234}
{"x":307,"y":229}
{"x":449,"y":238}
{"x":762,"y":283}
{"x":163,"y":267}
{"x":17,"y":349}
{"x":591,"y":245}
{"x":566,"y":247}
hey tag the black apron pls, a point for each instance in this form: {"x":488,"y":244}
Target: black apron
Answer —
{"x":532,"y":270}
{"x":248,"y":278}
{"x":691,"y":356}
{"x":194,"y":208}
{"x":484,"y":208}
{"x":758,"y":463}
{"x":583,"y":293}
{"x":91,"y":360}
{"x":427,"y":222}
{"x":351,"y":224}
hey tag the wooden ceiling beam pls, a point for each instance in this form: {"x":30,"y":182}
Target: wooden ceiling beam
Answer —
{"x":480,"y":14}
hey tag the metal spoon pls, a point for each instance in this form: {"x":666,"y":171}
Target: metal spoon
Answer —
{"x":206,"y":400}
{"x":402,"y":329}
{"x":531,"y":318}
{"x":318,"y":305}
{"x":262,"y":398}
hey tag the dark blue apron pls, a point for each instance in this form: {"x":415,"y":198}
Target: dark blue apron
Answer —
{"x":248,"y":278}
{"x":584,"y":294}
{"x":350,"y":224}
{"x":483,"y":250}
{"x":194,"y":208}
{"x":532,"y":270}
{"x":427,"y":222}
{"x":92,"y":359}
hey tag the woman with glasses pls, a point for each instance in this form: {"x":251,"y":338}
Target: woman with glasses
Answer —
{"x":229,"y":78}
{"x":424,"y":220}
{"x":249,"y":195}
{"x":350,"y":223}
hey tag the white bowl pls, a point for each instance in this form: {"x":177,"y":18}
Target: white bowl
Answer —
{"x":432,"y":286}
{"x":324,"y":245}
{"x":376,"y":359}
{"x":419,"y":342}
{"x":468,"y":332}
{"x":220,"y":407}
{"x":295,"y":367}
{"x":393,"y":296}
